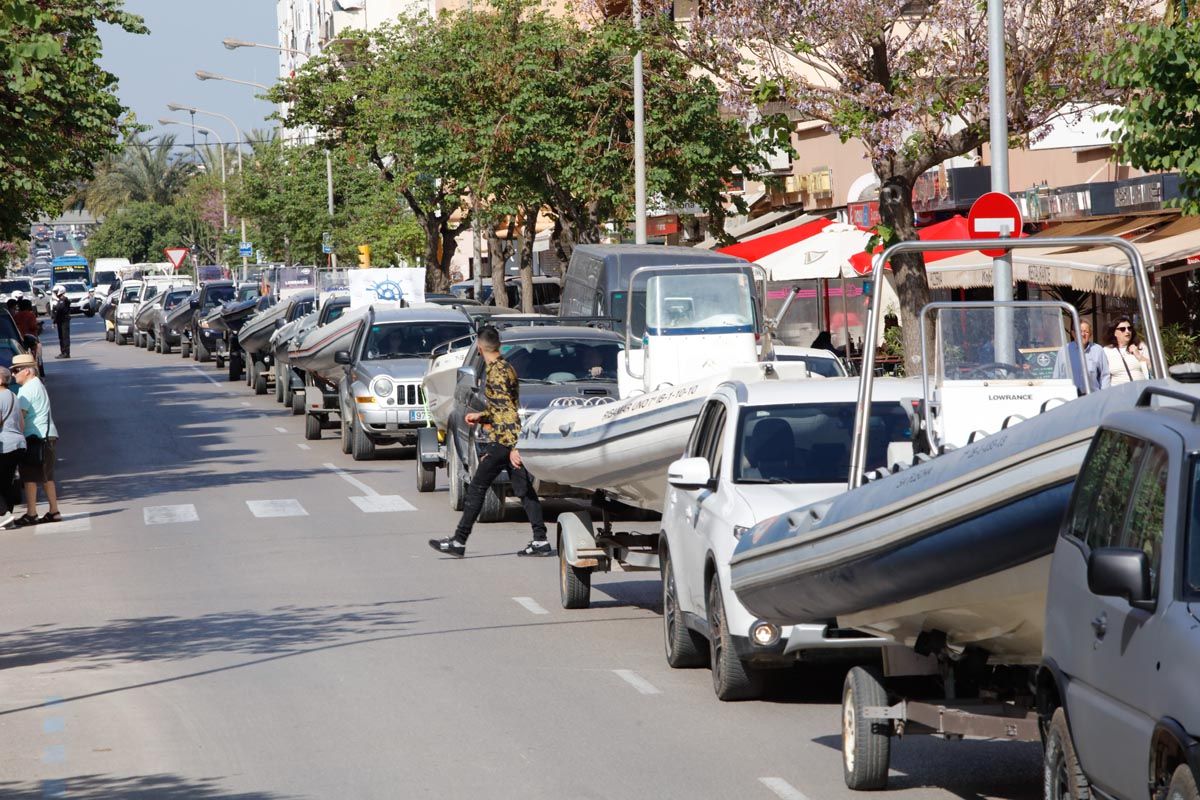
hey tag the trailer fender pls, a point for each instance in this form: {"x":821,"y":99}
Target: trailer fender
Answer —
{"x":314,"y":400}
{"x":578,"y":536}
{"x":428,"y":449}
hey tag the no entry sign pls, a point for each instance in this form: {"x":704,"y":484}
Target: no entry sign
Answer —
{"x":995,"y":215}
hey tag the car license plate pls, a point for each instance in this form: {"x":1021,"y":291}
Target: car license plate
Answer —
{"x":418,"y":415}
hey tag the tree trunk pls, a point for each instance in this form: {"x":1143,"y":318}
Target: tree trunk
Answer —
{"x":912,"y":286}
{"x":525,"y":262}
{"x":576,"y":222}
{"x":430,"y":226}
{"x":498,"y":253}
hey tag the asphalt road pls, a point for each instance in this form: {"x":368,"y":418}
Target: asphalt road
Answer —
{"x":219,"y":617}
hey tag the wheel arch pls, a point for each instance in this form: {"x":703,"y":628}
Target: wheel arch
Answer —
{"x":1050,"y":689}
{"x":710,"y":570}
{"x":1170,"y":746}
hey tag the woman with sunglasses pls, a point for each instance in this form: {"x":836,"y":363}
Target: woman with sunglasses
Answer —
{"x":1127,"y":359}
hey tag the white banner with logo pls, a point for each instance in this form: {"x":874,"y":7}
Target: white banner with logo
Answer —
{"x":387,"y":286}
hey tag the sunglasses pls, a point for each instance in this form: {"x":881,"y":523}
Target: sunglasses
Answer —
{"x":1124,"y":328}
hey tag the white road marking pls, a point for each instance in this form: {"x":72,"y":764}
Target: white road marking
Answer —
{"x":530,"y":605}
{"x":350,"y":479}
{"x":276,"y":508}
{"x":163,"y":515}
{"x":208,"y":377}
{"x":71,"y":523}
{"x":281,"y":430}
{"x":303,"y":446}
{"x":381,"y":503}
{"x":782,"y":789}
{"x":245,"y":404}
{"x":637,"y":681}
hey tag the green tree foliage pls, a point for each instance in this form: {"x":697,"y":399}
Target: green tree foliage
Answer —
{"x":140,"y":231}
{"x":145,"y":170}
{"x":1155,"y":75}
{"x":59,"y":112}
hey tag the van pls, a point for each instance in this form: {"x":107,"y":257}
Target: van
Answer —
{"x":597,"y":277}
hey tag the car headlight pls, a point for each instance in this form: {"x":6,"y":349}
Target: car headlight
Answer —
{"x":203,"y":323}
{"x":383,"y":387}
{"x":124,"y":315}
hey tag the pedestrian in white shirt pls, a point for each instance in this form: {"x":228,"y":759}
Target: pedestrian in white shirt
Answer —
{"x":1127,"y":359}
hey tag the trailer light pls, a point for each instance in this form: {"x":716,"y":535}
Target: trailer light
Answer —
{"x":764,"y":634}
{"x":739,"y":531}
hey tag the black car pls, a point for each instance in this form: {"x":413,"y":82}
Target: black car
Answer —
{"x":205,"y":339}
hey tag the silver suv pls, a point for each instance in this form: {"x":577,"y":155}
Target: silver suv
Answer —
{"x":1119,"y":688}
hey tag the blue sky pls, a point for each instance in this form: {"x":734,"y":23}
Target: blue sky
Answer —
{"x":185,"y":36}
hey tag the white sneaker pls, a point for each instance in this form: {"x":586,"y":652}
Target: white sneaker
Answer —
{"x":7,"y":519}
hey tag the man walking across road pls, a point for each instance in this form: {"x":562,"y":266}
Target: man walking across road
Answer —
{"x":40,"y":438}
{"x":501,"y":421}
{"x":62,"y":320}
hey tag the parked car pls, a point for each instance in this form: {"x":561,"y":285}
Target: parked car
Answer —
{"x":758,"y":450}
{"x":1118,"y":688}
{"x":379,"y":398}
{"x":819,"y":362}
{"x":204,"y":339}
{"x":547,"y":291}
{"x":80,"y":297}
{"x":550,"y":363}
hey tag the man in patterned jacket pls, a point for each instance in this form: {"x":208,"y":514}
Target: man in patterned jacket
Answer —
{"x":501,"y":422}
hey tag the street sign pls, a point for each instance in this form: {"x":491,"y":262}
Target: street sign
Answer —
{"x":245,"y":249}
{"x":994,"y":215}
{"x":326,"y":242}
{"x":176,"y":255}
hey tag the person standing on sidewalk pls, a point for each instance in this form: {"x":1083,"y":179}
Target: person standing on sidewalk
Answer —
{"x":501,"y":422}
{"x":62,"y":321}
{"x":12,"y":447}
{"x":40,"y":439}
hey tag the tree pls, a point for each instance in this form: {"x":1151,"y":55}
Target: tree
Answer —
{"x":59,"y":112}
{"x":910,"y":81}
{"x":144,"y":171}
{"x":140,"y":231}
{"x":1153,"y":75}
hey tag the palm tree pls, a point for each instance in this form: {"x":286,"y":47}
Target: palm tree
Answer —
{"x":146,"y":170}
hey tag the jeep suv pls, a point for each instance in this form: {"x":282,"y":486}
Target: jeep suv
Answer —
{"x":1118,"y":690}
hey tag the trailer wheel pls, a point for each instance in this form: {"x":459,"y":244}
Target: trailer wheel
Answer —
{"x":164,"y":346}
{"x":312,"y":427}
{"x":574,"y":583}
{"x":426,"y":474}
{"x":1062,"y":777}
{"x":1183,"y":784}
{"x":866,"y":744}
{"x":454,"y":471}
{"x":122,"y":341}
{"x":363,"y":449}
{"x":235,"y":366}
{"x":733,"y":679}
{"x":185,"y":348}
{"x":220,"y":361}
{"x":347,"y":439}
{"x":297,"y":403}
{"x":260,"y":378}
{"x":110,"y":335}
{"x":202,"y":354}
{"x":685,"y":648}
{"x":278,"y":386}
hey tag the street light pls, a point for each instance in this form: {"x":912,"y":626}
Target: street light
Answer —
{"x":210,"y":76}
{"x":238,"y":134}
{"x":234,"y":44}
{"x":221,"y":148}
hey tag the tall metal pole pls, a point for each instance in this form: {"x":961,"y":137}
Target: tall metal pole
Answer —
{"x":639,"y":138}
{"x":1002,"y":274}
{"x":329,"y":200}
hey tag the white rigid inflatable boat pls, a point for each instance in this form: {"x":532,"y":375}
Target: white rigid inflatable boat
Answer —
{"x":313,"y":351}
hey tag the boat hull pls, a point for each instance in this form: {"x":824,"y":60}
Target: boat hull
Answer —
{"x":439,"y":385}
{"x":313,"y":351}
{"x":959,"y":544}
{"x":255,"y":336}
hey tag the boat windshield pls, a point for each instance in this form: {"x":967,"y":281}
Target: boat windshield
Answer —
{"x":409,"y":339}
{"x":1192,"y":581}
{"x":247,"y":292}
{"x":175,"y":298}
{"x":563,"y":360}
{"x":810,"y":442}
{"x":335,"y":312}
{"x":966,"y":349}
{"x":130,"y":294}
{"x":825,"y":367}
{"x":681,"y":303}
{"x":218,"y":296}
{"x":151,"y":291}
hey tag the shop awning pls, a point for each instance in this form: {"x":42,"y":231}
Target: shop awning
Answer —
{"x":776,"y":242}
{"x":767,"y":224}
{"x":953,"y":228}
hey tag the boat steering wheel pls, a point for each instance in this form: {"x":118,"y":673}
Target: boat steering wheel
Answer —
{"x":995,"y":370}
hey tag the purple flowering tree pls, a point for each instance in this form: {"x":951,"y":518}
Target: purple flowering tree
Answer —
{"x":909,"y":80}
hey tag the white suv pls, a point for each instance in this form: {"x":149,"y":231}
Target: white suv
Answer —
{"x":759,"y":450}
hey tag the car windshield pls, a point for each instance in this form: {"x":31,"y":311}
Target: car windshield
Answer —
{"x":1192,"y":548}
{"x":106,"y":277}
{"x":810,"y":442}
{"x":129,"y":294}
{"x":563,"y":360}
{"x":8,"y":287}
{"x":248,"y":292}
{"x":409,"y":339}
{"x":825,"y":367}
{"x":335,"y":312}
{"x":175,"y":298}
{"x":73,"y":287}
{"x":151,"y":291}
{"x":218,"y":295}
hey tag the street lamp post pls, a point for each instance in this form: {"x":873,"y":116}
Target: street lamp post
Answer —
{"x":237,"y":133}
{"x":639,"y":138}
{"x":204,"y":75}
{"x":221,"y":147}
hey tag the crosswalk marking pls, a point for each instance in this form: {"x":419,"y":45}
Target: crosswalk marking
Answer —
{"x":70,"y":523}
{"x":382,"y":503}
{"x":276,"y":508}
{"x":164,"y":515}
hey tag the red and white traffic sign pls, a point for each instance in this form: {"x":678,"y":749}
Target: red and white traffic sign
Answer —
{"x":176,"y":255}
{"x":994,"y":215}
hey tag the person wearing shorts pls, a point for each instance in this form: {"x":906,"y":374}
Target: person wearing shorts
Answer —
{"x":40,"y":435}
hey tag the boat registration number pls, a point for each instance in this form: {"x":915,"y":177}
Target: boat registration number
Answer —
{"x":418,"y":415}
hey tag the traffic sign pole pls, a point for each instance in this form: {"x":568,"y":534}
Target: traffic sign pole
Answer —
{"x":1002,"y":275}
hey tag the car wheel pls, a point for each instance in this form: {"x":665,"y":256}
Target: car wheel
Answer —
{"x":235,"y":366}
{"x":362,"y":448}
{"x":1183,"y":784}
{"x":1062,"y":776}
{"x":202,"y":354}
{"x":122,"y":341}
{"x":89,"y":312}
{"x":185,"y":348}
{"x":164,"y":345}
{"x":312,"y":427}
{"x":733,"y":679}
{"x":685,"y":648}
{"x":866,"y":744}
{"x":454,"y":472}
{"x":220,"y":361}
{"x":110,"y":336}
{"x":347,"y":439}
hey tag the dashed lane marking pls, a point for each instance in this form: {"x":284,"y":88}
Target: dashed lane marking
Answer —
{"x":782,"y":789}
{"x":350,"y":479}
{"x":165,"y":515}
{"x":382,"y":503}
{"x":281,"y":430}
{"x":247,"y":405}
{"x":208,"y":378}
{"x":303,"y":446}
{"x":276,"y":508}
{"x":70,"y":523}
{"x":637,"y":681}
{"x":530,"y":605}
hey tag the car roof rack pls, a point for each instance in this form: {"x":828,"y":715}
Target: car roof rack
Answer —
{"x":503,"y":321}
{"x":1150,"y":392}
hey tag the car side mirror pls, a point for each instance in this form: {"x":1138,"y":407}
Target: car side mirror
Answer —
{"x":690,"y":474}
{"x":466,"y":373}
{"x":1121,"y":572}
{"x":342,"y":357}
{"x":193,"y":304}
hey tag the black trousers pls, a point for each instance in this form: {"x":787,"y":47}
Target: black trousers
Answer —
{"x":10,"y":490}
{"x":64,"y":337}
{"x":492,"y":461}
